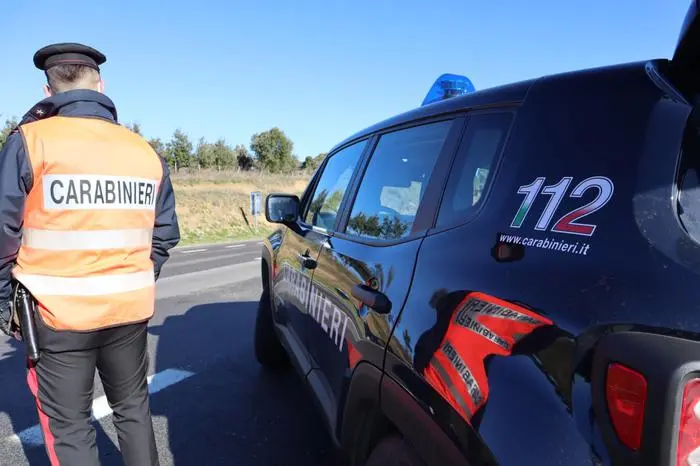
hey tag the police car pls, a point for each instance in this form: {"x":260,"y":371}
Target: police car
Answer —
{"x":506,"y":276}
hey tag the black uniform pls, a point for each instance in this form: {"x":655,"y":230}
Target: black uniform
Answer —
{"x":62,"y":380}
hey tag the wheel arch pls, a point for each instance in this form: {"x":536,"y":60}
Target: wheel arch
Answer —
{"x":363,"y":423}
{"x":417,"y":426}
{"x":266,"y":262}
{"x":377,"y":406}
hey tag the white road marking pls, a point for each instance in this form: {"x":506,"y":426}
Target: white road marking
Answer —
{"x":190,"y":251}
{"x":185,"y":263}
{"x":235,"y":246}
{"x":33,"y":437}
{"x":257,"y":258}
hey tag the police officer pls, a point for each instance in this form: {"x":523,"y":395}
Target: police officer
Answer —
{"x":87,"y":217}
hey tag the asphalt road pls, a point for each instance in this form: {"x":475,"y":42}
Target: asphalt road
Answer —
{"x":212,"y":403}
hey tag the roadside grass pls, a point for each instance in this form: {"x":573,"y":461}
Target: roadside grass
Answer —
{"x":214,"y":206}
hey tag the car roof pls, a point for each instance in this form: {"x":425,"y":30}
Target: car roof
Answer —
{"x":508,"y":93}
{"x":511,"y":93}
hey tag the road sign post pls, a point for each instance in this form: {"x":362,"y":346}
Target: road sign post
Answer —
{"x":255,"y":206}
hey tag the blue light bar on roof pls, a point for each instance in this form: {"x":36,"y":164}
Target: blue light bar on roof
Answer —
{"x":447,"y":86}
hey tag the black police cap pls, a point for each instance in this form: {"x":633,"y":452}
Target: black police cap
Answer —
{"x":68,"y":54}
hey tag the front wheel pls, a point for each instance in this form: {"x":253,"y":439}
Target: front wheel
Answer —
{"x":394,"y":451}
{"x":268,"y":350}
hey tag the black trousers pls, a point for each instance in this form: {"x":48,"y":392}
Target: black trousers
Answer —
{"x":62,"y":384}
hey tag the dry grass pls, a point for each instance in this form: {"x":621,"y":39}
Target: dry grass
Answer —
{"x":215,"y":206}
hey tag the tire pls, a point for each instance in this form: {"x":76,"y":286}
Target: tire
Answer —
{"x":394,"y":451}
{"x":268,"y":350}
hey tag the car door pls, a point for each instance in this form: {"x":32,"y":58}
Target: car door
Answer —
{"x":301,"y":245}
{"x":458,"y":318}
{"x":364,"y":270}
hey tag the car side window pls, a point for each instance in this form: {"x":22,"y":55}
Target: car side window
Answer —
{"x":471,"y":172}
{"x":332,"y":184}
{"x":394,"y":182}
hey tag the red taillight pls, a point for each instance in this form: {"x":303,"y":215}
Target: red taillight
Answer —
{"x":502,"y":251}
{"x":275,"y":271}
{"x":688,"y":450}
{"x":626,"y":394}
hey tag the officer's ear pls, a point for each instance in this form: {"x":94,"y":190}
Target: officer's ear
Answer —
{"x":101,"y":86}
{"x":47,"y":91}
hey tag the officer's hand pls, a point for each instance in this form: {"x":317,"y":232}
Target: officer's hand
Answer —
{"x":6,"y":325}
{"x":5,"y":317}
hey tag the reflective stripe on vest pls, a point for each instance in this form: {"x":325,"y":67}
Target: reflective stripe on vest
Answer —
{"x":94,"y":285}
{"x":446,"y":380}
{"x":88,"y":223}
{"x":86,"y":240}
{"x":464,"y":373}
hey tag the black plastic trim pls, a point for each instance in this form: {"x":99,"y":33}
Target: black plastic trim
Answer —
{"x":266,"y":255}
{"x":324,"y":398}
{"x":362,"y":396}
{"x":380,"y":243}
{"x":418,"y":427}
{"x":652,"y":68}
{"x":666,"y":362}
{"x":353,"y":186}
{"x":425,"y":217}
{"x":296,"y":350}
{"x":310,"y":188}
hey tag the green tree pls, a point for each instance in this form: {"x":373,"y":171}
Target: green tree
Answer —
{"x":159,"y":147}
{"x":205,"y":154}
{"x":324,"y":203}
{"x":318,"y":202}
{"x":223,"y":155}
{"x":369,"y":225}
{"x":135,"y":127}
{"x":273,"y":151}
{"x":311,"y":163}
{"x":306,"y":164}
{"x":5,"y":131}
{"x":179,"y":151}
{"x":333,"y":202}
{"x":243,"y":159}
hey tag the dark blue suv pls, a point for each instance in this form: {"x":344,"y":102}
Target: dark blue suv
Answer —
{"x":503,"y":277}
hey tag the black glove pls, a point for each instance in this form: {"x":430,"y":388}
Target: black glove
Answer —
{"x":7,"y":324}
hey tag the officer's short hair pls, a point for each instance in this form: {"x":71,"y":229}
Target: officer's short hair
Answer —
{"x":69,"y":76}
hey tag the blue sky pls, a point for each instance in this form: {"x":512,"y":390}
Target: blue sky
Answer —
{"x":319,"y":70}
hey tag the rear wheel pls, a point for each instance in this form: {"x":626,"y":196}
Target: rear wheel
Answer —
{"x":394,"y":451}
{"x":268,"y":350}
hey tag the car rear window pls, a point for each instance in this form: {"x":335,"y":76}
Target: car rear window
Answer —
{"x":473,"y":166}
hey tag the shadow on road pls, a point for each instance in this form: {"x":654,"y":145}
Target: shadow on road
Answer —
{"x":231,"y":411}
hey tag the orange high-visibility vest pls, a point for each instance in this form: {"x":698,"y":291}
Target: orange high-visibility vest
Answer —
{"x":481,"y":325}
{"x":88,"y":223}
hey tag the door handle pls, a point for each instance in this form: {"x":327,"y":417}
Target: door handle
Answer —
{"x":375,"y":300}
{"x":306,"y":261}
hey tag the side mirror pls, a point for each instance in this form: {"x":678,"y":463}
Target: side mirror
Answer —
{"x":282,"y":208}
